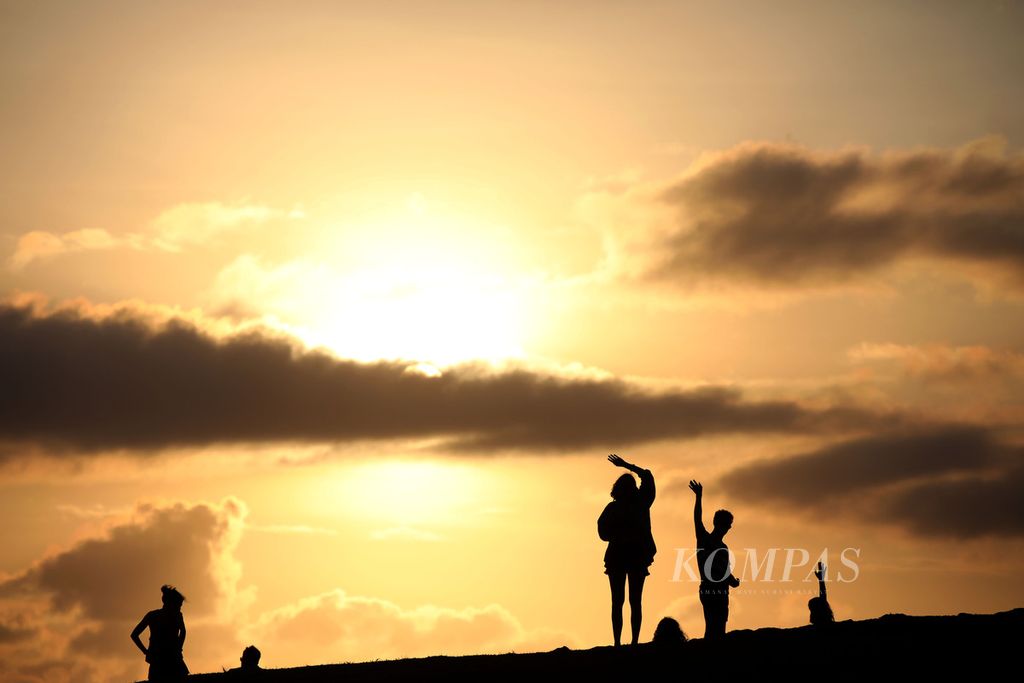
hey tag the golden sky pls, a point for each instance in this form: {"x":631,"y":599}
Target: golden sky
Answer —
{"x":329,"y":313}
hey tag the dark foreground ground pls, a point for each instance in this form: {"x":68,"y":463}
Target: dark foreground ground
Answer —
{"x":967,"y":647}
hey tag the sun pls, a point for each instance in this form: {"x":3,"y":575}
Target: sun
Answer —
{"x":420,"y":287}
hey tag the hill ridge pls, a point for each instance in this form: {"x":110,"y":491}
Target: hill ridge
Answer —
{"x":884,"y":648}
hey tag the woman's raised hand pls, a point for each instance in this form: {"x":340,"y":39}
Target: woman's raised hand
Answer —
{"x":617,"y":461}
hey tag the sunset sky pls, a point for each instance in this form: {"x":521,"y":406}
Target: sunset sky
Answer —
{"x":329,"y":313}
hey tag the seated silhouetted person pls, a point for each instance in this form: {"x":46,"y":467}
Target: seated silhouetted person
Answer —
{"x":250,"y":659}
{"x":821,"y":611}
{"x":668,"y":633}
{"x":250,"y":665}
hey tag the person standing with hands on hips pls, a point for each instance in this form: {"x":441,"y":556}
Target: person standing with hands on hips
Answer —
{"x":166,"y":638}
{"x":626,"y":525}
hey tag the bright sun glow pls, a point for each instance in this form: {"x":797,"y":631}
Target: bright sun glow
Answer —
{"x":409,"y":493}
{"x":419,"y":286}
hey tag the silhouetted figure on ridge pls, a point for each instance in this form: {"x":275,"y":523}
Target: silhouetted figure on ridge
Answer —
{"x":668,"y":633}
{"x":821,"y":611}
{"x":668,"y":644}
{"x":626,"y":525}
{"x":250,"y":659}
{"x":250,"y":666}
{"x":713,"y":563}
{"x":166,"y":638}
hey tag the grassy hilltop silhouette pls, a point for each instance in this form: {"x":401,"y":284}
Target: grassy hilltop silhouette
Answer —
{"x":891,"y":647}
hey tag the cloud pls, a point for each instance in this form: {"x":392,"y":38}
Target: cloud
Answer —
{"x":86,"y":383}
{"x":941,"y":363}
{"x":117,"y":574}
{"x":955,"y":481}
{"x":66,"y":619}
{"x":438,"y":309}
{"x":336,"y":626}
{"x":94,"y":511}
{"x":38,"y":244}
{"x":199,"y":223}
{"x":173,"y":230}
{"x":53,"y":671}
{"x":965,"y":508}
{"x":782,"y":216}
{"x":14,"y":634}
{"x":851,"y":467}
{"x":71,"y":612}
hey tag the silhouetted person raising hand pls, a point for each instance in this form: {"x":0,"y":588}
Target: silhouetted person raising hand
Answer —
{"x":166,"y":638}
{"x":713,"y":563}
{"x":626,"y":525}
{"x":821,"y":611}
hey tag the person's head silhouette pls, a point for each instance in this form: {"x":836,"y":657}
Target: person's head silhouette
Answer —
{"x":668,"y":632}
{"x":250,"y":658}
{"x":721,"y":522}
{"x":821,"y":611}
{"x":624,"y":489}
{"x":172,"y":598}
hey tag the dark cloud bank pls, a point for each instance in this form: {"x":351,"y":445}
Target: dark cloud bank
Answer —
{"x":775,"y":214}
{"x":953,"y":481}
{"x":86,"y":384}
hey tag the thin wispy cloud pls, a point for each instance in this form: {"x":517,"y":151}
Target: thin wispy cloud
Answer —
{"x":174,"y":230}
{"x":942,"y":362}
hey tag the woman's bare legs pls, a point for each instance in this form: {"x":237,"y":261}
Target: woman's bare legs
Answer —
{"x":617,"y":581}
{"x":636,"y":591}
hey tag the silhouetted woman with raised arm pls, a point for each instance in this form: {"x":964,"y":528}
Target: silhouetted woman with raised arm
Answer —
{"x":166,"y":638}
{"x":626,"y":525}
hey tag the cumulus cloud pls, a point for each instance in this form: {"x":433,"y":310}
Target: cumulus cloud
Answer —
{"x":66,"y":619}
{"x":951,"y":481}
{"x":781,"y":215}
{"x":114,"y":575}
{"x":336,"y":626}
{"x":80,"y":603}
{"x":89,"y":383}
{"x":173,"y":230}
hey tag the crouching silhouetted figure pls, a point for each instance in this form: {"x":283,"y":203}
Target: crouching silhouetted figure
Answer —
{"x":166,"y":638}
{"x":821,"y":611}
